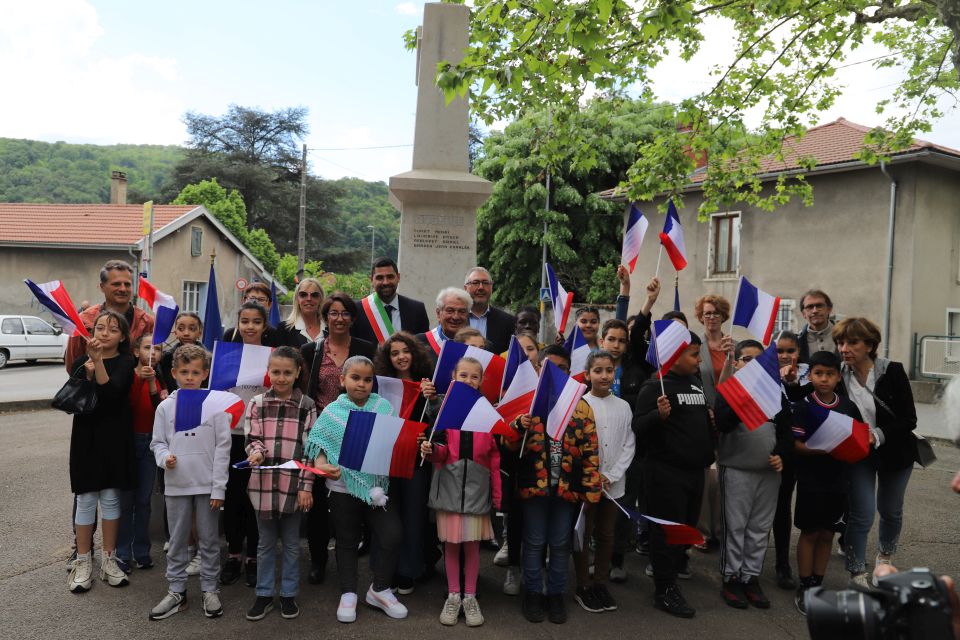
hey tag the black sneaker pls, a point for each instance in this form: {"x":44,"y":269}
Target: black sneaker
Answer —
{"x":755,"y":594}
{"x":586,"y":597}
{"x":250,"y":573}
{"x":603,"y":596}
{"x":785,"y":579}
{"x":317,"y":574}
{"x":405,"y":585}
{"x":143,"y":563}
{"x":732,"y":593}
{"x":531,"y":604}
{"x":124,"y":565}
{"x":683,"y":571}
{"x":231,"y":571}
{"x":261,"y":607}
{"x":672,"y":601}
{"x":289,"y":608}
{"x":556,"y":608}
{"x":798,"y":600}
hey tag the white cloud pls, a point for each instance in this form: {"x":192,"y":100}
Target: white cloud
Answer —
{"x":407,"y":9}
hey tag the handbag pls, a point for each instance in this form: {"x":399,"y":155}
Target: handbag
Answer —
{"x":77,"y":395}
{"x":925,"y":455}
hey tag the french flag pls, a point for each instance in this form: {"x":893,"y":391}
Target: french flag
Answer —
{"x":518,"y":397}
{"x":839,"y":435}
{"x":164,"y":309}
{"x":515,"y":357}
{"x":672,"y":238}
{"x":668,"y":340}
{"x":196,"y":406}
{"x":576,"y":345}
{"x":401,"y":394}
{"x":236,"y":364}
{"x":53,"y":295}
{"x":633,"y":237}
{"x":754,"y":391}
{"x":674,"y":532}
{"x":755,"y":310}
{"x":289,"y":465}
{"x":450,"y":354}
{"x":380,"y":444}
{"x":466,"y":409}
{"x":555,"y":398}
{"x":562,"y":301}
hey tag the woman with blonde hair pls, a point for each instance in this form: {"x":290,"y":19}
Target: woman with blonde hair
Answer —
{"x":305,"y":323}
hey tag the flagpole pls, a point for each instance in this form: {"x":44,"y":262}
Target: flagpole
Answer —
{"x":659,"y":255}
{"x":656,"y":351}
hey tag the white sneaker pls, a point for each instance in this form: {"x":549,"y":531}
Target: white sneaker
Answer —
{"x":386,"y":602}
{"x":451,"y":610}
{"x":166,"y":546}
{"x":347,"y":609}
{"x":111,"y":573}
{"x":193,"y":569}
{"x":649,"y":570}
{"x":211,"y":604}
{"x":502,"y":557}
{"x":511,"y":586}
{"x":861,"y":579}
{"x":471,"y":611}
{"x":618,"y":574}
{"x":882,"y":560}
{"x":332,"y":544}
{"x":81,"y":573}
{"x":172,"y":603}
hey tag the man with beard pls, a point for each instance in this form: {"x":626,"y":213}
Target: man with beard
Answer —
{"x":384,"y":312}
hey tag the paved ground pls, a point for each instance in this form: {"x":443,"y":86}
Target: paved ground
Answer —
{"x":35,"y":531}
{"x":22,"y":381}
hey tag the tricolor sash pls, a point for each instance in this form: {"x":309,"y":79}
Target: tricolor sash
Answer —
{"x":378,"y":317}
{"x":434,"y":339}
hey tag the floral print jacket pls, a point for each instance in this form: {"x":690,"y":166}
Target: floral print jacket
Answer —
{"x":580,"y":465}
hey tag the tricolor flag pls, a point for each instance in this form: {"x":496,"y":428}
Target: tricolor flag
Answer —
{"x":674,"y":532}
{"x":235,"y":364}
{"x":53,"y":295}
{"x":465,"y":409}
{"x":196,"y":406}
{"x":668,"y":339}
{"x":556,"y":396}
{"x":164,"y":309}
{"x":754,"y":391}
{"x":450,"y":354}
{"x":633,"y":237}
{"x":378,"y":317}
{"x":275,"y":306}
{"x":380,"y":444}
{"x":212,"y":326}
{"x":576,"y":345}
{"x":401,"y":394}
{"x":672,"y":238}
{"x":755,"y":310}
{"x":839,"y":435}
{"x":519,"y":395}
{"x":515,"y":357}
{"x":562,"y":301}
{"x":290,"y":465}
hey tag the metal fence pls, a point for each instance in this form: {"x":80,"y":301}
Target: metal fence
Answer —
{"x":939,"y":356}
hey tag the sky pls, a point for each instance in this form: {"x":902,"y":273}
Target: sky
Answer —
{"x":114,"y":71}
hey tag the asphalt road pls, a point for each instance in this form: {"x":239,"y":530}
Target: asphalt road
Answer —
{"x":22,"y":381}
{"x":35,"y":536}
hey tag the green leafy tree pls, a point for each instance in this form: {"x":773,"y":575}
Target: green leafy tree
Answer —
{"x":286,"y":271}
{"x":363,"y":204}
{"x":356,"y":284}
{"x":524,"y":54}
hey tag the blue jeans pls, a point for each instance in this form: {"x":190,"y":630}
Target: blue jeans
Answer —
{"x":286,"y":530}
{"x":873,"y":490}
{"x":547,"y":521}
{"x":133,"y":536}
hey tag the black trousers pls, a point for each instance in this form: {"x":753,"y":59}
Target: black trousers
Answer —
{"x":318,"y":525}
{"x":671,"y":494}
{"x":239,"y":518}
{"x":783,"y":519}
{"x":349,"y":514}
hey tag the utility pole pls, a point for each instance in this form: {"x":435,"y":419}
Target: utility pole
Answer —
{"x":302,"y":230}
{"x":543,"y":265}
{"x":373,"y":239}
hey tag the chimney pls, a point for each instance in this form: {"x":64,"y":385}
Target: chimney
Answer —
{"x":699,"y":159}
{"x":118,"y":187}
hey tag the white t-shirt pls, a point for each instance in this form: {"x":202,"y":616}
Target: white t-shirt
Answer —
{"x":865,"y":402}
{"x":615,"y":438}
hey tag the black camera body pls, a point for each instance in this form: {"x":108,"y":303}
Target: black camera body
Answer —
{"x":911,"y":604}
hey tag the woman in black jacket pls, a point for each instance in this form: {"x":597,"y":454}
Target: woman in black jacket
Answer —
{"x":304,"y":324}
{"x":881,"y":390}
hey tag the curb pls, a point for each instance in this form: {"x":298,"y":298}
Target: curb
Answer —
{"x":25,"y":405}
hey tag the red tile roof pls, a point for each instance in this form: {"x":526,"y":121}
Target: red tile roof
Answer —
{"x":93,"y":224}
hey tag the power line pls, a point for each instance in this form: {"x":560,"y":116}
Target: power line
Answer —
{"x":386,"y":146}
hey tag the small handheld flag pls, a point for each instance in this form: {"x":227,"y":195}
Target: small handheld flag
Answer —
{"x":380,"y":444}
{"x":196,"y":406}
{"x":555,"y":398}
{"x":465,"y":409}
{"x":674,"y":532}
{"x":53,"y":295}
{"x":290,"y":465}
{"x":212,"y":327}
{"x":672,"y":238}
{"x":754,"y":391}
{"x":668,"y":339}
{"x":519,"y":395}
{"x":839,"y":435}
{"x":275,"y":307}
{"x":633,"y":237}
{"x":164,"y":309}
{"x":576,"y":345}
{"x":401,"y":394}
{"x":235,"y":364}
{"x":515,"y":357}
{"x":562,"y":301}
{"x":755,"y":310}
{"x":450,"y":354}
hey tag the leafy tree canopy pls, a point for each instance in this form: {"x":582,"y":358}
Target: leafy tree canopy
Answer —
{"x":524,"y":54}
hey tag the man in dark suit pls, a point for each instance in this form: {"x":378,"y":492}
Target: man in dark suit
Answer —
{"x":495,"y":324}
{"x":390,"y":311}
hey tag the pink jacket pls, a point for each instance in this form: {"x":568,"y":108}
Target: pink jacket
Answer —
{"x":485,"y":452}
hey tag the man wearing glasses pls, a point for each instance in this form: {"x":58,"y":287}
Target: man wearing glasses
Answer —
{"x":384,"y":312}
{"x":259,"y":293}
{"x":495,"y":324}
{"x":816,"y":307}
{"x":453,"y":307}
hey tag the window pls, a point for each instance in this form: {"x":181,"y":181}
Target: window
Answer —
{"x":193,"y":295}
{"x":784,"y":321}
{"x":11,"y":327}
{"x":724,"y":244}
{"x":37,"y":327}
{"x":196,"y":241}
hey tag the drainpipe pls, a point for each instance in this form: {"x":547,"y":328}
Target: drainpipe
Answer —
{"x":136,"y":267}
{"x":892,"y":218}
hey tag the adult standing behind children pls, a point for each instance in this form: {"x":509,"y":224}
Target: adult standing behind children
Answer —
{"x":452,"y":311}
{"x":305,"y":323}
{"x":495,"y":325}
{"x":817,"y":334}
{"x":387,"y":309}
{"x":260,"y":294}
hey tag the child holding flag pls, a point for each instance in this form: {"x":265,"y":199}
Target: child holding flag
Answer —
{"x":357,"y":497}
{"x":195,"y":462}
{"x":464,"y":460}
{"x":187,"y":329}
{"x":279,"y":421}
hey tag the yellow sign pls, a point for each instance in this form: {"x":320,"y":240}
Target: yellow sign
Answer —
{"x":147,"y":216}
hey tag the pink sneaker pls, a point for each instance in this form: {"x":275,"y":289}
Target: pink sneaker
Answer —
{"x":386,"y":602}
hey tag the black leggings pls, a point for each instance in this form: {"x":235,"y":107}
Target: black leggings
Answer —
{"x":318,"y":525}
{"x":783,"y":519}
{"x":348,"y":514}
{"x":239,"y":518}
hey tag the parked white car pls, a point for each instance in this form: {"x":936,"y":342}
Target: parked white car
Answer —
{"x":30,"y":338}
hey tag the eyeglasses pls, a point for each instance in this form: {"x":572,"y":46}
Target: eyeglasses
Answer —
{"x":303,"y":295}
{"x":257,"y":300}
{"x":477,"y":283}
{"x":454,"y":311}
{"x":745,"y":359}
{"x":339,"y":314}
{"x":814,"y":305}
{"x":782,"y":351}
{"x":712,"y":314}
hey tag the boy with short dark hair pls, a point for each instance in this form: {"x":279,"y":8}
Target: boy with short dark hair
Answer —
{"x":673,"y":429}
{"x":821,"y":479}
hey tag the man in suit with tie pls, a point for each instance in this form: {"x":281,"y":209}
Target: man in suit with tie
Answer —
{"x":384,"y":312}
{"x":495,"y":324}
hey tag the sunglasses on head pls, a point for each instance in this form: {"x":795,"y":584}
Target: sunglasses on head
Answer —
{"x":308,"y":294}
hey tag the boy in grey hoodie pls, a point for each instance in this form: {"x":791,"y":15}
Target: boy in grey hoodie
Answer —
{"x":195,"y":463}
{"x":749,"y":464}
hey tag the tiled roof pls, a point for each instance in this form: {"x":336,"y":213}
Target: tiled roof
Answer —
{"x":93,"y":224}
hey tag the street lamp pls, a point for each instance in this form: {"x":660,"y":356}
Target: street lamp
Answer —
{"x":373,"y":238}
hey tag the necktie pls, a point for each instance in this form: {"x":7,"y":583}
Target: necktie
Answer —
{"x":389,"y":309}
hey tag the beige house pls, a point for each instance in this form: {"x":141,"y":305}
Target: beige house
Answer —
{"x":70,"y":242}
{"x":868,"y":223}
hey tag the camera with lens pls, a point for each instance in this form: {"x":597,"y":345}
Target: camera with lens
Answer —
{"x":912,"y":604}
